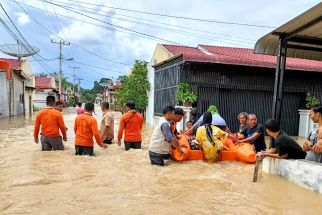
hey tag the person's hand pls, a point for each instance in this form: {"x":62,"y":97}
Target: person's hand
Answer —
{"x":65,"y":139}
{"x":260,"y":155}
{"x":104,"y":146}
{"x":119,"y":142}
{"x":317,"y":148}
{"x":307,"y":145}
{"x":36,"y":140}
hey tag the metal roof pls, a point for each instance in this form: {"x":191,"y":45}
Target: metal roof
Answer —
{"x":303,"y":33}
{"x":236,"y":56}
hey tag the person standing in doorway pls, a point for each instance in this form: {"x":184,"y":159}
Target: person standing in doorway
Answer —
{"x":51,"y":121}
{"x":79,"y":108}
{"x":131,"y":124}
{"x":107,"y":124}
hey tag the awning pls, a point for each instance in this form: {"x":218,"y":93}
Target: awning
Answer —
{"x":303,"y":35}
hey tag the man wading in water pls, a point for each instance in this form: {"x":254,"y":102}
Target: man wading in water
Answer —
{"x":131,"y":123}
{"x":162,"y":138}
{"x":51,"y":121}
{"x":85,"y":128}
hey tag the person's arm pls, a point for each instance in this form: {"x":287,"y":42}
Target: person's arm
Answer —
{"x":103,"y":127}
{"x":120,"y":132}
{"x":262,"y":154}
{"x":250,"y":139}
{"x":96,"y":134}
{"x":36,"y":128}
{"x":276,"y":156}
{"x":75,"y":126}
{"x":142,"y":122}
{"x":61,"y":125}
{"x":317,"y":148}
{"x":169,"y":137}
{"x":307,"y":145}
{"x":241,"y":136}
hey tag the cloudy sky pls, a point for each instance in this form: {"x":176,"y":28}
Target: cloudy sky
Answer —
{"x":108,"y":39}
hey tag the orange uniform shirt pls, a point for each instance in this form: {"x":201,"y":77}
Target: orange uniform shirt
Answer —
{"x":85,"y":128}
{"x":133,"y":127}
{"x":50,"y":121}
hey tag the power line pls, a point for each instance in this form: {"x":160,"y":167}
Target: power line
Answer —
{"x":97,"y":67}
{"x":111,"y":24}
{"x":58,"y":21}
{"x":166,"y":28}
{"x":177,"y":17}
{"x":49,"y":16}
{"x":151,"y":25}
{"x":18,"y":39}
{"x":52,"y":33}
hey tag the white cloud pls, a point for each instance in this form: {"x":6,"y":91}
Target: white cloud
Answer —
{"x":22,"y":18}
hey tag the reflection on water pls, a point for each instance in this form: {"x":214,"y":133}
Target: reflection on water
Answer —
{"x":119,"y":182}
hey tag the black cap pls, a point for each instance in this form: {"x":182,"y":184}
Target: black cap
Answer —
{"x":179,"y":111}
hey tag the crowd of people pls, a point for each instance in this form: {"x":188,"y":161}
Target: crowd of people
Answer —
{"x":207,"y":132}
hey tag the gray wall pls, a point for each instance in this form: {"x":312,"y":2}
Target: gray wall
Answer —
{"x":4,"y":108}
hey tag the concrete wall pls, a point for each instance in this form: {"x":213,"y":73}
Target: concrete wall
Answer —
{"x":150,"y":107}
{"x":40,"y":99}
{"x":160,"y":54}
{"x":305,"y":173}
{"x":4,"y":102}
{"x":18,"y":89}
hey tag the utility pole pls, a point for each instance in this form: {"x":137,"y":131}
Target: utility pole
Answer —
{"x":74,"y":80}
{"x":60,"y":72}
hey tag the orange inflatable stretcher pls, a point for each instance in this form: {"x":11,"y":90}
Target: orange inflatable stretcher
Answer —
{"x":188,"y":153}
{"x":244,"y":152}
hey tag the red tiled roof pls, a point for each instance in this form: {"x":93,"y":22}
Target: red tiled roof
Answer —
{"x":239,"y":56}
{"x":14,"y":63}
{"x":43,"y":83}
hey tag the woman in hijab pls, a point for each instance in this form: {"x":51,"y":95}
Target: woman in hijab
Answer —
{"x":210,"y":138}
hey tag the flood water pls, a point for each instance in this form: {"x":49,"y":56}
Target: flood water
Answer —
{"x":120,"y":182}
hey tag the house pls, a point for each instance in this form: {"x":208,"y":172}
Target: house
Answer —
{"x":17,"y":88}
{"x":234,"y":79}
{"x":45,"y":86}
{"x":112,"y":93}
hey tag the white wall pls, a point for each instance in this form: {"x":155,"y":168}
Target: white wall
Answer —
{"x":40,"y":97}
{"x":150,"y":107}
{"x":4,"y":106}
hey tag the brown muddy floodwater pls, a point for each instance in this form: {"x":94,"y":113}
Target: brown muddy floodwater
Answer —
{"x":120,"y":182}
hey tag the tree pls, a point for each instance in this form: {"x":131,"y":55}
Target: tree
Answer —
{"x":42,"y":74}
{"x":136,"y":86}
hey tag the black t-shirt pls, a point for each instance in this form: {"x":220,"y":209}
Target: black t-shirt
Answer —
{"x":259,"y":143}
{"x":286,"y":145}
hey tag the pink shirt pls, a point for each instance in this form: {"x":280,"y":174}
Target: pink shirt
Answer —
{"x":79,"y":110}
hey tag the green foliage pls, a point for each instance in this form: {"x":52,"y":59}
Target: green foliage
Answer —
{"x":136,"y":86}
{"x":88,"y":95}
{"x":184,"y":94}
{"x":42,"y":74}
{"x":122,"y":78}
{"x":311,"y":101}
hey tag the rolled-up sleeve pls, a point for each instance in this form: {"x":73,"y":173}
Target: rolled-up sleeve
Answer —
{"x":166,"y":130}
